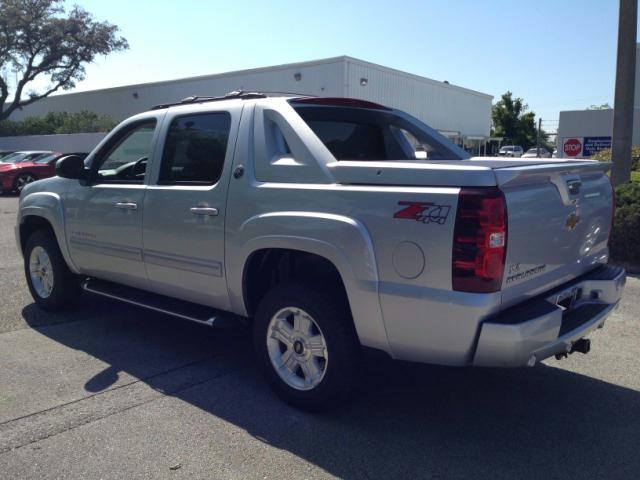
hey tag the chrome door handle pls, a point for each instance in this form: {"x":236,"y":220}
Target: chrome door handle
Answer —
{"x":127,"y":205}
{"x":213,"y":212}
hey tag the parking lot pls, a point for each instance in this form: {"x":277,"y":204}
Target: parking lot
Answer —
{"x":113,"y":391}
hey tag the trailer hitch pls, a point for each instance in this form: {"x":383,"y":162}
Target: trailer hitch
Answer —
{"x":582,"y":345}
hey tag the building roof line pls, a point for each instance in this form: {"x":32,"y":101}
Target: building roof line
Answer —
{"x":206,"y":76}
{"x":416,"y":77}
{"x":309,"y":63}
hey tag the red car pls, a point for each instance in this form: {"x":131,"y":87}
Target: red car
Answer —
{"x":21,"y":168}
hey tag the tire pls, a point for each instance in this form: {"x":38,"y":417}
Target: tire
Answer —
{"x":52,"y":285}
{"x":22,"y":180}
{"x":311,"y":365}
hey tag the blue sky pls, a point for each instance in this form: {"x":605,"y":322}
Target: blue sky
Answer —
{"x":557,"y":55}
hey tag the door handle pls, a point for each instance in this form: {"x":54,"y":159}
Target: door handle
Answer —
{"x":127,"y":205}
{"x":213,"y":212}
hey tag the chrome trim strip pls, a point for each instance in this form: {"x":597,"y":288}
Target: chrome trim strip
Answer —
{"x":189,"y":264}
{"x":109,"y":249}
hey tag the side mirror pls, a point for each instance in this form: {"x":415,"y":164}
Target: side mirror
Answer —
{"x":71,"y":166}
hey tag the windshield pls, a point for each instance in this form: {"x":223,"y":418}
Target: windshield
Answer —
{"x":506,"y":149}
{"x":25,"y":157}
{"x":45,"y":158}
{"x":14,"y":157}
{"x":369,"y":134}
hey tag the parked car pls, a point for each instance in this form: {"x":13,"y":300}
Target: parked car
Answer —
{"x":555,"y":153}
{"x":5,"y":153}
{"x":24,"y":156}
{"x":313,"y":220}
{"x":510,"y":151}
{"x":22,"y":170}
{"x":537,"y":152}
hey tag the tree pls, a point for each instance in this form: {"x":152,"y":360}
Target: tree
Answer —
{"x":514,"y":123}
{"x":38,"y":38}
{"x":604,"y":106}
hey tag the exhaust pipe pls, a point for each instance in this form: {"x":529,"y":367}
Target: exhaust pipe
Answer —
{"x":582,"y":345}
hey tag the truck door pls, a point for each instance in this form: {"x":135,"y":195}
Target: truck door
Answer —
{"x":104,"y":216}
{"x":183,"y":225}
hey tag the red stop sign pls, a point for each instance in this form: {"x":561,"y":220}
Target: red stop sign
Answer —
{"x":572,"y":147}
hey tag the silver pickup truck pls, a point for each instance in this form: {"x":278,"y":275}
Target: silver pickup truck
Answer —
{"x":331,"y":224}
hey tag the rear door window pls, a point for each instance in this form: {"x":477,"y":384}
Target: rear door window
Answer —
{"x":195,"y":149}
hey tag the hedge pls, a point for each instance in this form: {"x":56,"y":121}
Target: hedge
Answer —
{"x":625,"y":238}
{"x":605,"y":156}
{"x":58,"y":122}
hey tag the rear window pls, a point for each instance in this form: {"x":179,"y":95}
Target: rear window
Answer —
{"x":368,"y":134}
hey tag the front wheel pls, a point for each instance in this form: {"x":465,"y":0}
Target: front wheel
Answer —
{"x":305,"y":340}
{"x":52,"y":285}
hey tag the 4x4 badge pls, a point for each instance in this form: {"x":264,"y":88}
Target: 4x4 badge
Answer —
{"x":425,"y":212}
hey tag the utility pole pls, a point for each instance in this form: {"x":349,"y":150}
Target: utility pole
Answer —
{"x":538,"y":139}
{"x":625,"y":86}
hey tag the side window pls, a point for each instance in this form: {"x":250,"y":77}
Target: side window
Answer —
{"x":195,"y":149}
{"x":125,"y":161}
{"x":417,"y":150}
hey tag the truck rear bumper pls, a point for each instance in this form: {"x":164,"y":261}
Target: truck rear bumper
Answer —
{"x":552,"y":323}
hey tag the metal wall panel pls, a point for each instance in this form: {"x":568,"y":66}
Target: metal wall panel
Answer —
{"x":442,"y":106}
{"x":317,"y":78}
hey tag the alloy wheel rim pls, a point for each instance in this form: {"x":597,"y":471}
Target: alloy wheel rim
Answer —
{"x":22,"y":181}
{"x":297,"y":348}
{"x":41,"y":272}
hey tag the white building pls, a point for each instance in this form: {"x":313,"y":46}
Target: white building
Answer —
{"x":462,"y":114}
{"x":581,"y":133}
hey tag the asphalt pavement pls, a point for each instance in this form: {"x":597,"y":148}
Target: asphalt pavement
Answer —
{"x":113,"y":391}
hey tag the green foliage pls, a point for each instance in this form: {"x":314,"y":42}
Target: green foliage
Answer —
{"x":39,"y":39}
{"x":625,"y":239}
{"x":58,"y":122}
{"x":512,"y":121}
{"x":605,"y":156}
{"x":604,"y":106}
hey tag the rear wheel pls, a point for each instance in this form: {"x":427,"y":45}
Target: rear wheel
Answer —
{"x":22,"y":181}
{"x":52,"y":285}
{"x":306,"y":343}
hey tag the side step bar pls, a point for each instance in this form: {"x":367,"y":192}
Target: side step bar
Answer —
{"x":160,"y":303}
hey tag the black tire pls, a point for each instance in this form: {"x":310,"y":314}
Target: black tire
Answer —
{"x":331,"y":314}
{"x":23,"y":180}
{"x":66,"y":285}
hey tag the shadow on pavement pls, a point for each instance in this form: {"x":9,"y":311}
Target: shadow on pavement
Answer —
{"x":407,"y":420}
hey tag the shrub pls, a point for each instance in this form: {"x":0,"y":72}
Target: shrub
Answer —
{"x":625,"y":238}
{"x":605,"y":156}
{"x":58,"y":122}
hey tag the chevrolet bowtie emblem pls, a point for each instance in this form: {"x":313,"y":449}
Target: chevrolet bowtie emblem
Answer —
{"x":572,"y":221}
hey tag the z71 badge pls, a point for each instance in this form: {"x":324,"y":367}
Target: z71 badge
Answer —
{"x":425,"y":212}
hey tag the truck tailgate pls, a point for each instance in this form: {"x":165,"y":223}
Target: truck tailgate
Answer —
{"x":559,"y":219}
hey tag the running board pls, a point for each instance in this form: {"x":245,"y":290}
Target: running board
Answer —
{"x":160,"y":303}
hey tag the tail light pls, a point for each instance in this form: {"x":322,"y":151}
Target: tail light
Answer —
{"x":480,"y":240}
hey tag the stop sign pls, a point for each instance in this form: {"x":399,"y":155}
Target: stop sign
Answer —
{"x":572,"y":147}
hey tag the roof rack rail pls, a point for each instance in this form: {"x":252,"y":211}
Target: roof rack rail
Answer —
{"x":196,"y":99}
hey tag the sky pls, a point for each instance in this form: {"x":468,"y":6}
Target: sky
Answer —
{"x":556,"y":54}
